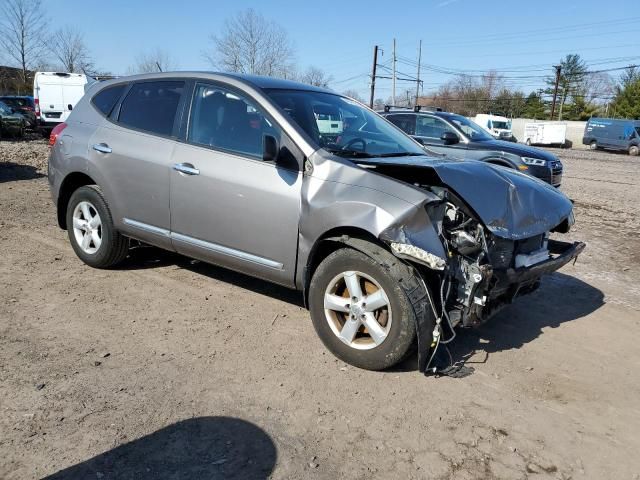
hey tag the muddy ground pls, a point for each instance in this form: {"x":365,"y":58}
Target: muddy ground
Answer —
{"x":168,"y":368}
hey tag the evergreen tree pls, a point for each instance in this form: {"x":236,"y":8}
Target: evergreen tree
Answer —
{"x":534,"y":107}
{"x":627,"y":101}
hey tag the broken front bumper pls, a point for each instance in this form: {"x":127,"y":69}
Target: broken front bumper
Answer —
{"x":506,"y":284}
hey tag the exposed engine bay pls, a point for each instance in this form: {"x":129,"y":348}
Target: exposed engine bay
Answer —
{"x":482,"y":271}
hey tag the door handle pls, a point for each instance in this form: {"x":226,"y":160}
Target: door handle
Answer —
{"x":102,"y":148}
{"x":186,"y":168}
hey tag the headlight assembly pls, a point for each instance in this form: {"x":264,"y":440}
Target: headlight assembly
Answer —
{"x":534,"y":161}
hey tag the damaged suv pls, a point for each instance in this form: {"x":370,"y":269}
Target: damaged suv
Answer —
{"x":389,"y":246}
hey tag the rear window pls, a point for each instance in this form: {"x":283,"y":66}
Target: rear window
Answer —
{"x":16,"y":102}
{"x":152,"y":106}
{"x":106,"y":99}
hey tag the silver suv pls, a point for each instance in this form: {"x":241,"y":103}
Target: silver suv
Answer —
{"x":308,"y":189}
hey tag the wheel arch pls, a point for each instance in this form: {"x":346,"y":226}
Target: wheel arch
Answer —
{"x":70,"y":184}
{"x":332,"y":240}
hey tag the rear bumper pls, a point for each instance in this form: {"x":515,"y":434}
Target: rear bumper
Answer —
{"x":48,"y":124}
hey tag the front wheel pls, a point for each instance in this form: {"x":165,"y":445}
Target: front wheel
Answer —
{"x":593,"y":145}
{"x":359,"y":309}
{"x":634,"y":150}
{"x":91,"y":232}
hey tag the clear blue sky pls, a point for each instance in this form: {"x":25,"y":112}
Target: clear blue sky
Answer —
{"x":520,"y":39}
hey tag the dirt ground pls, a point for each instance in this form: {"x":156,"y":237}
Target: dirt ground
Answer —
{"x":170,"y":368}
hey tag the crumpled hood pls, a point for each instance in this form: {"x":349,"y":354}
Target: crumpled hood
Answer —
{"x":510,"y":204}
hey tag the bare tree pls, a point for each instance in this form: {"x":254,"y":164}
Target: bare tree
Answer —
{"x":156,"y":60}
{"x":250,"y":43}
{"x":316,"y":77}
{"x":22,"y":27}
{"x":68,"y":46}
{"x":355,"y":95}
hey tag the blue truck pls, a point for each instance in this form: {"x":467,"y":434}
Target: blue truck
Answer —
{"x":613,"y":134}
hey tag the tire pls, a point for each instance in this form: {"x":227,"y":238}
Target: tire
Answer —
{"x":108,"y":247}
{"x":528,"y":142}
{"x":593,"y":145}
{"x":386,"y":272}
{"x":634,"y":150}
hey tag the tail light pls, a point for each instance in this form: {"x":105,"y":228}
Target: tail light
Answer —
{"x":37,"y":102}
{"x":57,"y":130}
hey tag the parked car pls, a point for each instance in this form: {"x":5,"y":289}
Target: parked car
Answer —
{"x":55,"y":94}
{"x":497,"y":126}
{"x":11,"y":122}
{"x":457,"y":136}
{"x":25,"y":106}
{"x":613,"y":134}
{"x":386,"y":243}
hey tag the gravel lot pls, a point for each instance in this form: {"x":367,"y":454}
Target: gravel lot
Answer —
{"x":169,"y":368}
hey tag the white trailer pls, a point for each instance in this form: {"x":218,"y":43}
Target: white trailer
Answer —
{"x":545,"y":133}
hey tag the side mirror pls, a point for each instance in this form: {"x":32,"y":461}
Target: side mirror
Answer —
{"x":69,"y":107}
{"x":270,"y":148}
{"x":449,"y":138}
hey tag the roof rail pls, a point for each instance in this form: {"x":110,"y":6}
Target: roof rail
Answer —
{"x":416,"y":108}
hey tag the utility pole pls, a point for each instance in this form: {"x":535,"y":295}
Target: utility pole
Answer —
{"x":555,"y":90}
{"x":418,"y":76}
{"x":373,"y":75}
{"x":393,"y":88}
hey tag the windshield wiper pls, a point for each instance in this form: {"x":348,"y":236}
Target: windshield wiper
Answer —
{"x":400,"y":154}
{"x":350,"y":153}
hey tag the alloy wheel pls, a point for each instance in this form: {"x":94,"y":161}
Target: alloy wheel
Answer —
{"x":87,"y":227}
{"x":358,"y":310}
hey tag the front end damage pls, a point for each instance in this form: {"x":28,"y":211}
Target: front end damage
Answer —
{"x":485,"y":263}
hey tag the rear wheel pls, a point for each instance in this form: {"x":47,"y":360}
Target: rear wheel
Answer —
{"x":528,"y":142}
{"x":634,"y":150}
{"x":91,"y":231}
{"x":360,"y":310}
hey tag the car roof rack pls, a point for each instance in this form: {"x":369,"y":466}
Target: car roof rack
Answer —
{"x":416,"y":108}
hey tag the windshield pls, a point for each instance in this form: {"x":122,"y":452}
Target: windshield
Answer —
{"x":501,"y":125}
{"x":343,"y":126}
{"x":469,"y":128}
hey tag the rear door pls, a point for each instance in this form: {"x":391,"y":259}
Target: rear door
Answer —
{"x":228,"y":205}
{"x":50,"y":95}
{"x":72,"y":92}
{"x":134,"y":150}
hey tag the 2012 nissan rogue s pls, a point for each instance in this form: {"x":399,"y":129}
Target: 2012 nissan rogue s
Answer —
{"x":309,"y":189}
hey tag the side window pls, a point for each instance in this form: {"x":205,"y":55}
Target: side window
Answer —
{"x":152,"y":106}
{"x":432,"y":127}
{"x":106,"y":99}
{"x":226,"y":120}
{"x":407,"y":123}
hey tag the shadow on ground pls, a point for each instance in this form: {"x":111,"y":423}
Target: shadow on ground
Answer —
{"x":151,"y":257}
{"x":205,"y":447}
{"x":561,"y":298}
{"x":11,"y":172}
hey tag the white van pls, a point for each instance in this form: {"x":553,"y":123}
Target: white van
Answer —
{"x":55,"y":95}
{"x":496,"y":125}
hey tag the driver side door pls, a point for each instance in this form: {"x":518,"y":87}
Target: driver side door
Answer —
{"x":228,"y":205}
